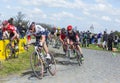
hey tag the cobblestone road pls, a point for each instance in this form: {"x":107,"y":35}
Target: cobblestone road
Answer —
{"x":98,"y":67}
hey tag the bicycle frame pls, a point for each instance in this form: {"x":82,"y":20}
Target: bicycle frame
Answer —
{"x":74,"y":47}
{"x":42,"y":63}
{"x":36,"y":50}
{"x":11,"y":48}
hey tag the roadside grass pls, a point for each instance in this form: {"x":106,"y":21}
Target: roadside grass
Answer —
{"x":95,"y":47}
{"x":16,"y":65}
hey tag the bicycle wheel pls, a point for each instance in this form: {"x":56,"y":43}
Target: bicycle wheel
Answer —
{"x":78,"y":56}
{"x":52,"y":65}
{"x":69,"y":53}
{"x":37,"y":65}
{"x":8,"y":51}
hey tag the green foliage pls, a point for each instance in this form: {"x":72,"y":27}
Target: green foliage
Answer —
{"x":117,"y":33}
{"x":20,"y":18}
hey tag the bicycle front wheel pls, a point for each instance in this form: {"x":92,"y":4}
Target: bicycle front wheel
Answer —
{"x":8,"y":51}
{"x":78,"y":56}
{"x":52,"y":65}
{"x":37,"y":65}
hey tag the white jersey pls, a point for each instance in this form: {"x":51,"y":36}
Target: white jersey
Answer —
{"x":39,"y":29}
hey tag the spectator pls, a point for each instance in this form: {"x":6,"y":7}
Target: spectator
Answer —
{"x":88,"y":38}
{"x":116,"y":42}
{"x":84,"y":43}
{"x":81,"y":37}
{"x":92,"y":39}
{"x":21,"y":29}
{"x":105,"y":38}
{"x":110,"y":40}
{"x":99,"y":36}
{"x":95,"y":39}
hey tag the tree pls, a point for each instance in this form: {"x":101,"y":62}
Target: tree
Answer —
{"x":117,"y":33}
{"x":20,"y":18}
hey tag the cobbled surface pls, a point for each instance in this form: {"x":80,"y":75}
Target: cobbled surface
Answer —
{"x":98,"y":67}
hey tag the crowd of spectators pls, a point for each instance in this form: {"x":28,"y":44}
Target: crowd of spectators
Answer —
{"x":102,"y":40}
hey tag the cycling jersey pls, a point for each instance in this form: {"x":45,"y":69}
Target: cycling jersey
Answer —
{"x":53,"y":31}
{"x":39,"y":30}
{"x":58,"y":32}
{"x":72,"y":36}
{"x":11,"y":28}
{"x":63,"y":36}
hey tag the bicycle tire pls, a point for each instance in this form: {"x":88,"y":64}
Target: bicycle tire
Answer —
{"x":69,"y":53}
{"x":36,"y":65}
{"x":8,"y":51}
{"x":52,"y":65}
{"x":78,"y":58}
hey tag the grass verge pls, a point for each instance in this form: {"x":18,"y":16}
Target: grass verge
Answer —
{"x":16,"y":65}
{"x":95,"y":47}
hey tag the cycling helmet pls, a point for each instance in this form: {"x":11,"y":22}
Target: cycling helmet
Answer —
{"x":69,"y":27}
{"x":33,"y":23}
{"x":63,"y":30}
{"x":31,"y":26}
{"x":5,"y":22}
{"x":58,"y":28}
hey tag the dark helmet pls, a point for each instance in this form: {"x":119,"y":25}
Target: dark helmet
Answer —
{"x":63,"y":30}
{"x":32,"y":24}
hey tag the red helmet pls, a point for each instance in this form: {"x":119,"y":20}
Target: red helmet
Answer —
{"x":5,"y":22}
{"x":69,"y":27}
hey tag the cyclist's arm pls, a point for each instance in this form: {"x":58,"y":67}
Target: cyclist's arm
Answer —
{"x":68,"y":41}
{"x":77,"y":38}
{"x":15,"y":35}
{"x":42,"y":40}
{"x":62,"y":41}
{"x":3,"y":35}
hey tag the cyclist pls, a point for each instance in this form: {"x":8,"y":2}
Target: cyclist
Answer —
{"x":58,"y":31}
{"x":52,"y":36}
{"x":12,"y":31}
{"x":73,"y":37}
{"x":39,"y":32}
{"x":62,"y":38}
{"x":57,"y":34}
{"x":47,"y":36}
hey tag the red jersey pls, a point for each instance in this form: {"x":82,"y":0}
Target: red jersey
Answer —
{"x":11,"y":28}
{"x":63,"y":36}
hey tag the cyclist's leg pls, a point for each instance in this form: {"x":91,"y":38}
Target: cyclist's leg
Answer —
{"x":80,"y":51}
{"x":17,"y":39}
{"x":46,"y":50}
